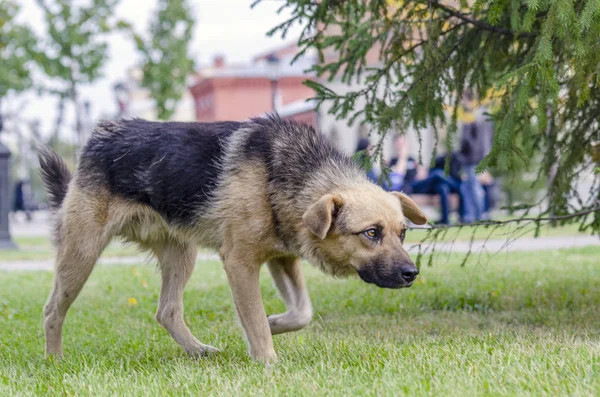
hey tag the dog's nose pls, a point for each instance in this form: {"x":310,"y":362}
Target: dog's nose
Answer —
{"x":409,"y":273}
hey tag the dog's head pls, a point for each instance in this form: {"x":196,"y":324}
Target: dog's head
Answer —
{"x":363,"y":230}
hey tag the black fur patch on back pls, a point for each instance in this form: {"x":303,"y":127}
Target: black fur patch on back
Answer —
{"x":172,"y":167}
{"x":292,"y":152}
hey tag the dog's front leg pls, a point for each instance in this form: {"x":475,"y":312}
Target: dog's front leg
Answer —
{"x":243,"y":277}
{"x":287,"y":274}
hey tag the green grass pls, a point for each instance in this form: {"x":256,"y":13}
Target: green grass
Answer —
{"x":32,"y":241}
{"x":518,"y":324}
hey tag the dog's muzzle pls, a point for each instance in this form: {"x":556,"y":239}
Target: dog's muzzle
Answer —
{"x":395,"y":276}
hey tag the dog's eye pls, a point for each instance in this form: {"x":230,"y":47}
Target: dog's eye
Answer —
{"x":402,"y":235}
{"x":373,"y":234}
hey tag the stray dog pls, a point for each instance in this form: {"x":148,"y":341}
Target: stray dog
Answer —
{"x":266,"y":190}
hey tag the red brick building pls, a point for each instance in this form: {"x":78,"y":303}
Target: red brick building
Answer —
{"x":237,"y":92}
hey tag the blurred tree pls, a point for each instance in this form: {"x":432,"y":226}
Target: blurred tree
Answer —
{"x":539,"y":58}
{"x":166,"y":62}
{"x":15,"y":40}
{"x":72,"y":51}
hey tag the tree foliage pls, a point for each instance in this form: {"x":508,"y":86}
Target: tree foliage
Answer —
{"x":15,"y":41}
{"x":73,"y":50}
{"x":538,"y":58}
{"x":166,"y":62}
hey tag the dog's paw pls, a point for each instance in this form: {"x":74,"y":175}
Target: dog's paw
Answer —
{"x":54,"y":356}
{"x":289,"y":321}
{"x":267,"y":359}
{"x":201,"y":350}
{"x":279,"y":323}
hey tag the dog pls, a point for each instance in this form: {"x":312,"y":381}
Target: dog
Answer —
{"x":261,"y":191}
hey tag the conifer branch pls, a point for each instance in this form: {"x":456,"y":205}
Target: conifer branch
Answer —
{"x":480,"y":24}
{"x":517,"y":220}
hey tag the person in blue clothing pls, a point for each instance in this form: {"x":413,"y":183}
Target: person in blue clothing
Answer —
{"x":397,"y":172}
{"x":398,"y":169}
{"x":405,"y":176}
{"x":399,"y":166}
{"x":437,"y":182}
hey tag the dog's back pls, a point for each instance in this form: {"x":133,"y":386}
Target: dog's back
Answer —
{"x":171,"y":167}
{"x":149,"y":180}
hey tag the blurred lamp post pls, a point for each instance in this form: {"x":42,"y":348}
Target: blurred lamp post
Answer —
{"x":87,"y":123}
{"x":5,"y":239}
{"x":122,"y":99}
{"x":273,"y":73}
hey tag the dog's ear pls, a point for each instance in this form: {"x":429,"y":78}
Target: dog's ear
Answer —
{"x":319,"y":217}
{"x":410,"y":209}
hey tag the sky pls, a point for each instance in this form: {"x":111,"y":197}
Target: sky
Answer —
{"x":227,"y":27}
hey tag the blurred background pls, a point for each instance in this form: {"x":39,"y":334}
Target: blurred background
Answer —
{"x":68,"y":64}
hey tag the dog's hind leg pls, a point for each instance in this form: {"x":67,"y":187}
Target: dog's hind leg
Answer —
{"x":79,"y":244}
{"x":288,"y":277}
{"x":176,"y":261}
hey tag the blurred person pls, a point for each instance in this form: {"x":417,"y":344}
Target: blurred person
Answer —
{"x":473,"y":148}
{"x":490,"y":197}
{"x":438,"y":183}
{"x":490,"y":187}
{"x":455,"y":177}
{"x":363,"y":149}
{"x":22,"y":199}
{"x":408,"y":176}
{"x":402,"y":167}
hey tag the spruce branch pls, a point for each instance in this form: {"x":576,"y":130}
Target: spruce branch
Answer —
{"x":480,"y":24}
{"x":518,"y":220}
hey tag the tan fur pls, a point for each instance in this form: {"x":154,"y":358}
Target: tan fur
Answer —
{"x":289,"y":279}
{"x":319,"y":216}
{"x":82,"y":240}
{"x":176,"y":261}
{"x":411,"y":209}
{"x":240,"y":226}
{"x":340,"y":249}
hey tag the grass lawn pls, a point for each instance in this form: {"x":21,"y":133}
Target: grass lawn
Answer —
{"x":518,"y":324}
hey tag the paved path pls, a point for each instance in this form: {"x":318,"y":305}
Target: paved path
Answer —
{"x":110,"y":261}
{"x":39,"y":226}
{"x":520,"y":244}
{"x":491,"y":246}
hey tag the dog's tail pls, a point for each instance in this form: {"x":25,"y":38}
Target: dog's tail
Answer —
{"x":55,"y":176}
